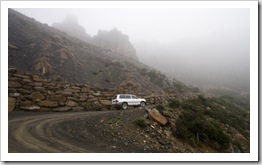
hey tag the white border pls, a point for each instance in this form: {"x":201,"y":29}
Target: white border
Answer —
{"x":252,"y":156}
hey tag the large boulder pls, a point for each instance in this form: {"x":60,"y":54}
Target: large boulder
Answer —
{"x":155,"y":115}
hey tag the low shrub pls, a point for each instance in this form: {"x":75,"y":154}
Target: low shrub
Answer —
{"x":174,"y":103}
{"x":141,"y":122}
{"x":193,"y":127}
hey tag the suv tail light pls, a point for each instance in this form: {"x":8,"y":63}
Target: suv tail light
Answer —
{"x":116,"y":101}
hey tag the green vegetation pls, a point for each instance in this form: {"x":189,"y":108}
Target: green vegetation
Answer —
{"x":231,"y":111}
{"x":194,"y":127}
{"x":173,"y":103}
{"x":141,"y":122}
{"x":198,"y":122}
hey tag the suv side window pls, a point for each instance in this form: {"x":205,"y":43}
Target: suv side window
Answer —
{"x":122,"y":96}
{"x":128,"y":97}
{"x":134,"y":97}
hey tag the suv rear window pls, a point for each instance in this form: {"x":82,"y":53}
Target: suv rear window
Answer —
{"x":122,"y":96}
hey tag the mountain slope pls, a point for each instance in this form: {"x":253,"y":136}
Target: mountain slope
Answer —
{"x":39,"y":49}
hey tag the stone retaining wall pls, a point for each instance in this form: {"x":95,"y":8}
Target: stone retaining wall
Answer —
{"x":28,"y":92}
{"x":33,"y":93}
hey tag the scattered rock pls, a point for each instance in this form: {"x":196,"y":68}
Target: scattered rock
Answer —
{"x":11,"y":46}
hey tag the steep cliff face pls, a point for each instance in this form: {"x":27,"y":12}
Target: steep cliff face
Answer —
{"x":71,"y":26}
{"x":115,"y":41}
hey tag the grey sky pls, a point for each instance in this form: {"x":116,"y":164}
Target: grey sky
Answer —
{"x":200,"y":43}
{"x":162,"y":25}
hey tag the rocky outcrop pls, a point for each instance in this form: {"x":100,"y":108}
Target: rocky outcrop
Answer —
{"x":115,"y":41}
{"x":112,"y":40}
{"x":71,"y":26}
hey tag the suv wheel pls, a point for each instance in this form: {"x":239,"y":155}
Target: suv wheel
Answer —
{"x":142,"y":104}
{"x":124,"y":106}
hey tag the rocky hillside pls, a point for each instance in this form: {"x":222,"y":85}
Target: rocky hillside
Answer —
{"x":41,"y":50}
{"x":50,"y":70}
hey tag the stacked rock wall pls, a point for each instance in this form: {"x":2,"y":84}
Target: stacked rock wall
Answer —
{"x":33,"y":93}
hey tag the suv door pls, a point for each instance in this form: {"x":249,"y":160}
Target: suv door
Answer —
{"x":128,"y":99}
{"x":135,"y":100}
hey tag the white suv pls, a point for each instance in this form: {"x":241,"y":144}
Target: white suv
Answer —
{"x":124,"y":100}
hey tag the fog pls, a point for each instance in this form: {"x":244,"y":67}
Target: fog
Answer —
{"x":202,"y":47}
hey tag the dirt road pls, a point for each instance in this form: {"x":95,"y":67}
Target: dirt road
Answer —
{"x":50,"y":132}
{"x":75,"y":132}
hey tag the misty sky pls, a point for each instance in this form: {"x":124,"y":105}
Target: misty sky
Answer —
{"x":190,"y":44}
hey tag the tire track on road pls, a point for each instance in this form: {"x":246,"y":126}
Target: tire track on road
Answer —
{"x":43,"y":133}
